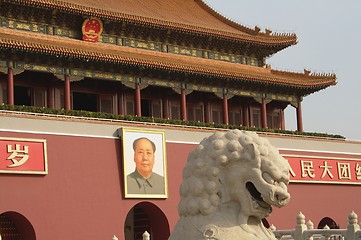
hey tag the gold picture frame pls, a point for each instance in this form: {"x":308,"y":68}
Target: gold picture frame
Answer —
{"x":144,"y":163}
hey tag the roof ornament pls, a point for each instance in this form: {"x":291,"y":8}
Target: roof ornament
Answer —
{"x":268,"y":32}
{"x":92,"y":29}
{"x":307,"y":72}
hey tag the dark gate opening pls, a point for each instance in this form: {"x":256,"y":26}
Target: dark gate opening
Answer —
{"x":329,"y":222}
{"x":148,"y":217}
{"x":14,"y":226}
{"x":85,"y":101}
{"x":22,"y":96}
{"x":146,"y":108}
{"x":136,"y":224}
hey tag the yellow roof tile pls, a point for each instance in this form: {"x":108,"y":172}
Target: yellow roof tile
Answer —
{"x":54,"y":45}
{"x":186,"y":15}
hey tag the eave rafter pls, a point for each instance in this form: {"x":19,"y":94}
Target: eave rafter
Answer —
{"x":224,"y":73}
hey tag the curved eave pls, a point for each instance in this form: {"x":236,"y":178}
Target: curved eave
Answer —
{"x":63,"y":47}
{"x":220,"y":17}
{"x":244,"y":34}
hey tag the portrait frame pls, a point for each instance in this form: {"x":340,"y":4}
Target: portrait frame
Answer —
{"x":128,"y":136}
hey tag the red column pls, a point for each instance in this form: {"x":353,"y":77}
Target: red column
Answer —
{"x":67,"y":99}
{"x":299,"y":116}
{"x":264,"y":113}
{"x":225,"y":109}
{"x":165,"y":102}
{"x":282,"y":117}
{"x":206,"y":111}
{"x":10,"y":85}
{"x":245,"y":115}
{"x":183,"y":105}
{"x":120,"y":103}
{"x":50,"y":103}
{"x":137,"y":100}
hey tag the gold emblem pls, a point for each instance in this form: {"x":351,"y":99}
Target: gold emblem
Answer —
{"x":92,"y":29}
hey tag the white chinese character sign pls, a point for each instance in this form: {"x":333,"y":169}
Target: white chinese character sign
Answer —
{"x":330,"y":168}
{"x":23,"y":156}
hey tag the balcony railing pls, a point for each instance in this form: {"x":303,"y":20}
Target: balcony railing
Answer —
{"x":101,"y":116}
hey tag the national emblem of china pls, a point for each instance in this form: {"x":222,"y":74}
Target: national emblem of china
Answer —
{"x":92,"y":28}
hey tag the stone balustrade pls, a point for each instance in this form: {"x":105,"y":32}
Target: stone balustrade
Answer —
{"x":146,"y":236}
{"x":305,"y":231}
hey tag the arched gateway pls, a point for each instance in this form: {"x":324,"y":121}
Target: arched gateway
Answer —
{"x":14,"y":225}
{"x":146,"y":216}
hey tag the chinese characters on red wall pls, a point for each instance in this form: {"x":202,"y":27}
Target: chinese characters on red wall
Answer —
{"x":26,"y":156}
{"x":324,"y":169}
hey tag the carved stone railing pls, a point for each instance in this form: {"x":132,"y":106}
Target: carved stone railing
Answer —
{"x":146,"y":236}
{"x":305,"y":231}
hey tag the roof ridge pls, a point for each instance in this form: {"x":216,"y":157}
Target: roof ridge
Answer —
{"x":305,"y":73}
{"x":245,"y":34}
{"x":253,"y":31}
{"x":225,"y":19}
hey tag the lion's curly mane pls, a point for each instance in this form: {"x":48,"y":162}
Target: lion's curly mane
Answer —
{"x":201,"y":189}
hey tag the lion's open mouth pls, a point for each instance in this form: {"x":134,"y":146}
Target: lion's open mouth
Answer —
{"x":256,"y":196}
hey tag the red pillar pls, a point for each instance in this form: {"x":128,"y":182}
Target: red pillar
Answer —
{"x":225,"y":109}
{"x":206,"y":111}
{"x":137,"y":100}
{"x":165,"y":102}
{"x":51,"y":96}
{"x":67,"y":100}
{"x":299,"y":116}
{"x":282,"y":117}
{"x":264,"y":113}
{"x":10,"y":84}
{"x":183,"y":105}
{"x":245,"y":115}
{"x":121,"y":103}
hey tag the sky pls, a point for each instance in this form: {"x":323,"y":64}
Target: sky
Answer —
{"x":329,"y":41}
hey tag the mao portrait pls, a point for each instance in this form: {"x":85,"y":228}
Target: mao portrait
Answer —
{"x":144,"y":164}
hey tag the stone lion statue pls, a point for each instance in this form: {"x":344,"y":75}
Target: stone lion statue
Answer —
{"x":230,"y":183}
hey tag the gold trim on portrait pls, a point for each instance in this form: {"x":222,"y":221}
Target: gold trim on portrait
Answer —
{"x":128,"y":135}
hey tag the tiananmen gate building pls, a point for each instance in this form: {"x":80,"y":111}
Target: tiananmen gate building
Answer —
{"x":80,"y":80}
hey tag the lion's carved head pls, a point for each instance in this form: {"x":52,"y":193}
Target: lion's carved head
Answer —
{"x":234,"y":168}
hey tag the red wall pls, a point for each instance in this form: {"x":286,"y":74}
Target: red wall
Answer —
{"x":82,"y":193}
{"x":81,"y":197}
